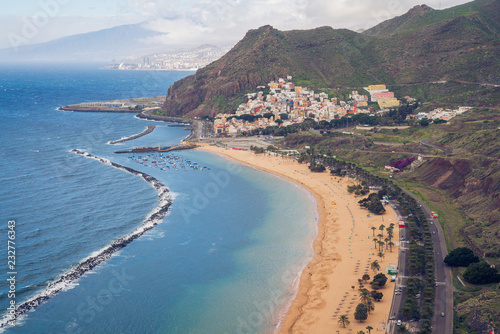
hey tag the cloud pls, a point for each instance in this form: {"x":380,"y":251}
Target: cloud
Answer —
{"x":225,"y":21}
{"x":219,"y":21}
{"x":216,"y":21}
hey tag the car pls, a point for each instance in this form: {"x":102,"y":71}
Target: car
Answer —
{"x":442,"y":314}
{"x":392,"y":317}
{"x":417,"y":296}
{"x":398,"y":323}
{"x":397,"y":293}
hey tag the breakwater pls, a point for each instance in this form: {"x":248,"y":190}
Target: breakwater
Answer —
{"x":89,"y":263}
{"x":158,"y":149}
{"x":149,"y":129}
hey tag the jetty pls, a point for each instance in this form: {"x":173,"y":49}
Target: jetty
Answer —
{"x":134,"y":106}
{"x":149,"y":129}
{"x":184,"y":146}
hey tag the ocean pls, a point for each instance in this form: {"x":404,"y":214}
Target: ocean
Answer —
{"x":225,"y":259}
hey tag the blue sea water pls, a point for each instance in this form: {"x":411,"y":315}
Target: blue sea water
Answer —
{"x":224,"y":260}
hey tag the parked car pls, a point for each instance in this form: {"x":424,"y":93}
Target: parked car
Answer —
{"x":442,"y":314}
{"x":398,"y":323}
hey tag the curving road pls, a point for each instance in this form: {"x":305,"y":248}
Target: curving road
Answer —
{"x":425,"y":143}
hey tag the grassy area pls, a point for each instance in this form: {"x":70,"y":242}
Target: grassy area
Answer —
{"x":476,"y":312}
{"x":450,"y":216}
{"x":458,"y":272}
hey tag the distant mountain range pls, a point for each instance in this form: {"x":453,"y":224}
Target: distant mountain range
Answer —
{"x":457,"y":47}
{"x":102,"y":45}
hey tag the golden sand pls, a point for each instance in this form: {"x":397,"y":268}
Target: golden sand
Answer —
{"x":343,"y":251}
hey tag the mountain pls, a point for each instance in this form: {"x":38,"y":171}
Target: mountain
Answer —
{"x":423,"y":16}
{"x":313,"y":56}
{"x":93,"y":46}
{"x":421,"y":47}
{"x":391,"y":26}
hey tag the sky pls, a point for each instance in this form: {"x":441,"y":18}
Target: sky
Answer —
{"x":191,"y":22}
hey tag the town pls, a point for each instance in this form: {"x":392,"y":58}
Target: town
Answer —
{"x":281,"y":103}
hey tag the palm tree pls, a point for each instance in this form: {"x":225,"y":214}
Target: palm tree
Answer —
{"x":370,"y":306}
{"x":391,"y":244}
{"x":374,"y":266}
{"x":390,"y":234}
{"x":361,"y":332}
{"x":344,"y":320}
{"x":373,"y":229}
{"x":380,"y":236}
{"x":381,"y":228}
{"x":386,"y":243}
{"x":381,"y":254}
{"x":369,"y":329}
{"x":364,"y":296}
{"x":380,"y":244}
{"x":375,"y":241}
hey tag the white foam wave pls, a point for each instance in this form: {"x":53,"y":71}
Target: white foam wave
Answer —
{"x":67,"y":280}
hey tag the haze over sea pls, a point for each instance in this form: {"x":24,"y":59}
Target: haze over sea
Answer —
{"x":224,"y":259}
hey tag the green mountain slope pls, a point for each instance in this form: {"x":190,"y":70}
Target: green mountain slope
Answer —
{"x":322,"y":57}
{"x":420,"y":47}
{"x":423,"y":16}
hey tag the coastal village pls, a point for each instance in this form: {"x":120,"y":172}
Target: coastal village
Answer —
{"x":286,"y":104}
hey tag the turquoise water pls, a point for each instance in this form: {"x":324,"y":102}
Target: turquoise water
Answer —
{"x":224,"y":259}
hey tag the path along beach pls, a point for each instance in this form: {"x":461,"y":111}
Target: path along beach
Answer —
{"x":343,"y":251}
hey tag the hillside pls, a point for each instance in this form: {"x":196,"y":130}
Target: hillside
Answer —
{"x":457,"y":45}
{"x":461,"y":185}
{"x":312,"y":56}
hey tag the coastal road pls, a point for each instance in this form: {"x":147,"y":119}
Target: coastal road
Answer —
{"x":397,"y":301}
{"x":444,"y":278}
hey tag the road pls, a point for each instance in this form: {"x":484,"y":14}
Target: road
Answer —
{"x":397,"y":301}
{"x":425,"y":143}
{"x":444,"y":283}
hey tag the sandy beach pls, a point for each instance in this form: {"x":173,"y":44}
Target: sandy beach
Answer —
{"x":343,"y":251}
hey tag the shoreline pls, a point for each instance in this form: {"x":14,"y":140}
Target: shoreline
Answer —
{"x":327,"y":279}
